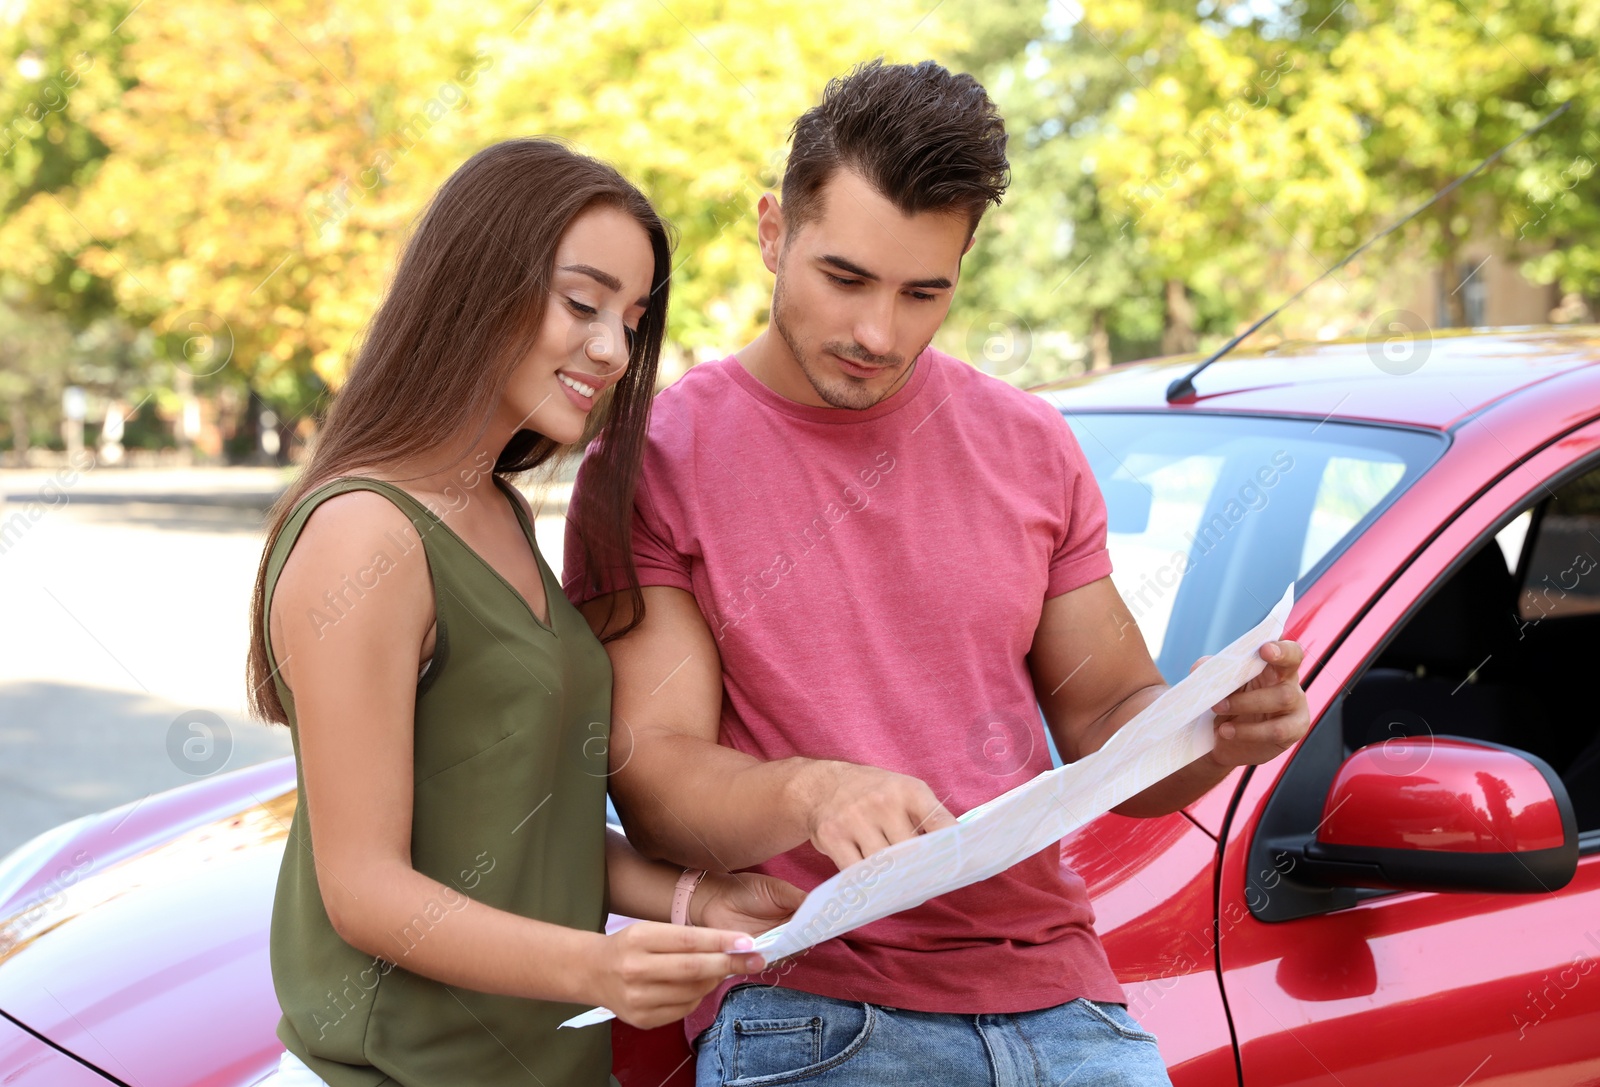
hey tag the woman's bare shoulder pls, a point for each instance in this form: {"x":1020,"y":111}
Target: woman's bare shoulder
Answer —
{"x":356,"y":535}
{"x":352,"y":519}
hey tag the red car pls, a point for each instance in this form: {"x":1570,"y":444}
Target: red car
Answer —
{"x":1411,"y":896}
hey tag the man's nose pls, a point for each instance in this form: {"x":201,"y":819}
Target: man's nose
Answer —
{"x":874,"y":330}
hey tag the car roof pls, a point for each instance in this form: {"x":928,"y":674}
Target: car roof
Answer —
{"x":1461,"y":372}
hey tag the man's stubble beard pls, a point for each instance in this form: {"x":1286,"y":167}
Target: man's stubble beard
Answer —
{"x":847,"y":393}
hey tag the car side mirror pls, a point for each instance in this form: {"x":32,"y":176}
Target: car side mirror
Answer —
{"x":1442,"y":813}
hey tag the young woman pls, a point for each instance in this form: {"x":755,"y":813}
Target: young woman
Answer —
{"x":444,"y":889}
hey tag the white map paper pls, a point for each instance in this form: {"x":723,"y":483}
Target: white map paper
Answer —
{"x":1165,"y":736}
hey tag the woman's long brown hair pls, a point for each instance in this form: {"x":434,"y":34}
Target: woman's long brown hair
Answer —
{"x":464,"y":309}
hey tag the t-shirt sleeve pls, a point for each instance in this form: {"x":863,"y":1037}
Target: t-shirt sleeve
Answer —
{"x":1081,"y":555}
{"x":655,"y":558}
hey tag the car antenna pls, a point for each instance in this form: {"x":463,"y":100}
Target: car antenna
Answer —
{"x":1183,"y":387}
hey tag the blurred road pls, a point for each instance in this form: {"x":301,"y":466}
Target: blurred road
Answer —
{"x":124,"y":602}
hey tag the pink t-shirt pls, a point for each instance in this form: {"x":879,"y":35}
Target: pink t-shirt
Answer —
{"x":873,"y":580}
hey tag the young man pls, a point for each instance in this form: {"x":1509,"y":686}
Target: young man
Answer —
{"x":866,"y":565}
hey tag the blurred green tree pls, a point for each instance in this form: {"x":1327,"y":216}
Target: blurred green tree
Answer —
{"x":231,"y":181}
{"x":1181,"y":166}
{"x":263,"y":164}
{"x":1055,"y":279}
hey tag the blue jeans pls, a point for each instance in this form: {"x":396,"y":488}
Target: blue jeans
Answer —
{"x":769,"y":1036}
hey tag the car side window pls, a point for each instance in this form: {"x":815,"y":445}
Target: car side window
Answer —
{"x":1561,"y":577}
{"x":1558,"y":612}
{"x":1502,"y":650}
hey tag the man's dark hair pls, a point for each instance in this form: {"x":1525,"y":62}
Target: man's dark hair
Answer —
{"x":927,"y":139}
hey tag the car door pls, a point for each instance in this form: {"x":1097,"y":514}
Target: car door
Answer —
{"x":1422,"y":988}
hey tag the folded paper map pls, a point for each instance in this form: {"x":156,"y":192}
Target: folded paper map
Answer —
{"x":1164,"y":737}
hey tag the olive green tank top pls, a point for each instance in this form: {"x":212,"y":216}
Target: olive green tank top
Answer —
{"x":508,"y":792}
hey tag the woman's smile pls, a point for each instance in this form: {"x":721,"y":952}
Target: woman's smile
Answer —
{"x":579,"y":392}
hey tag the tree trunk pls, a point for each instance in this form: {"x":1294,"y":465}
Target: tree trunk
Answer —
{"x":1099,"y":342}
{"x":1178,"y":336}
{"x":19,"y":434}
{"x":1455,"y":303}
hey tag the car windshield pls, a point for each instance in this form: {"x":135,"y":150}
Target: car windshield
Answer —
{"x":1210,"y":517}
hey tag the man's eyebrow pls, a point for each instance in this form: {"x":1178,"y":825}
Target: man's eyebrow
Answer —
{"x":938,"y":283}
{"x":605,"y":279}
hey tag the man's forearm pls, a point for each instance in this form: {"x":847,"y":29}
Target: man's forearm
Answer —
{"x":1171,"y":793}
{"x":1177,"y":790}
{"x":694,"y":802}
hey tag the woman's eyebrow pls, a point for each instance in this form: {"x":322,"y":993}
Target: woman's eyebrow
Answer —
{"x":605,"y":279}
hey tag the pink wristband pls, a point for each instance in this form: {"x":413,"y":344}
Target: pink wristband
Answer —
{"x":683,"y":892}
